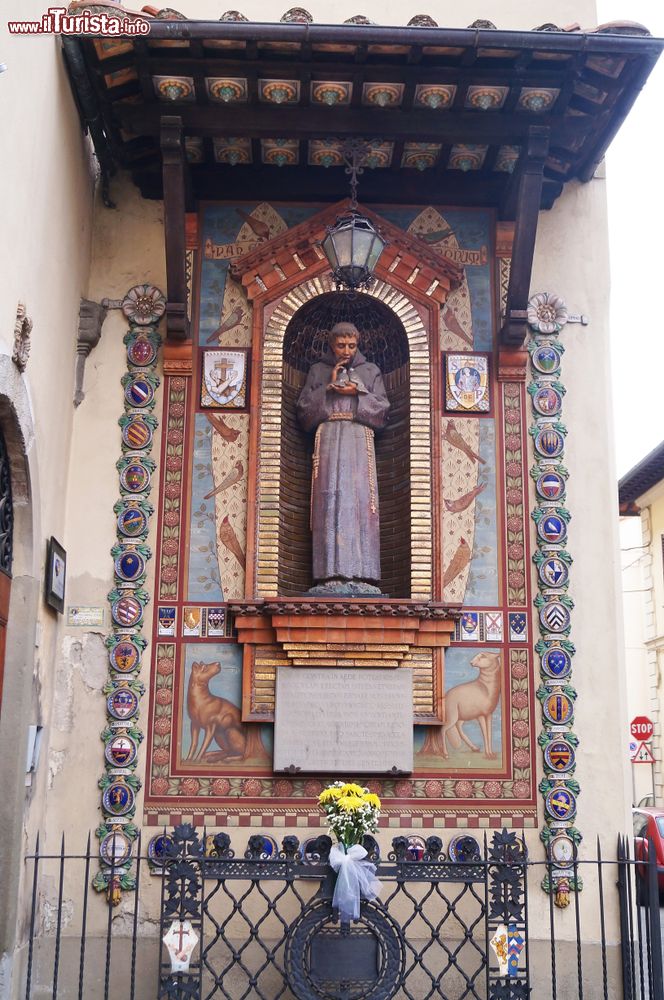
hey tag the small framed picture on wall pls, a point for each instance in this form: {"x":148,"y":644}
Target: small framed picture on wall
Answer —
{"x":56,"y":573}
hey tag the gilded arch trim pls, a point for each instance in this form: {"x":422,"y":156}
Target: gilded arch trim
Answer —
{"x":269,"y":451}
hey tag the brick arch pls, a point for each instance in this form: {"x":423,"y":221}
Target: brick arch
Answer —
{"x":268,"y":492}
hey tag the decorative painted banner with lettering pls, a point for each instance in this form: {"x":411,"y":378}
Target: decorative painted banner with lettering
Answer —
{"x":227,"y":251}
{"x":554,"y":606}
{"x":143,"y":306}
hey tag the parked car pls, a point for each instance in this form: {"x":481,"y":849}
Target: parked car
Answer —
{"x":648,"y":825}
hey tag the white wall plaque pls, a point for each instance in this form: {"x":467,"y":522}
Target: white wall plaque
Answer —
{"x":343,"y":721}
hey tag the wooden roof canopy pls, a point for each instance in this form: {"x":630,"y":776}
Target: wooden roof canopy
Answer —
{"x":640,"y":478}
{"x":235,"y":110}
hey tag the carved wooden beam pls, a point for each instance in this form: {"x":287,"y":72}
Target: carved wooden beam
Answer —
{"x":523,"y":198}
{"x":266,"y":121}
{"x":174,"y":169}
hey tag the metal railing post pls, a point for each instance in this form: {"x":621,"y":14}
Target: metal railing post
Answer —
{"x":624,"y":903}
{"x":656,"y":985}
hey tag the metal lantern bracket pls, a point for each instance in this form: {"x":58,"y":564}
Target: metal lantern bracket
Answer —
{"x":354,"y":152}
{"x":353,"y":245}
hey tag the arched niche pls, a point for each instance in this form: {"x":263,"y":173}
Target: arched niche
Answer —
{"x":409,"y":380}
{"x":384,"y":342}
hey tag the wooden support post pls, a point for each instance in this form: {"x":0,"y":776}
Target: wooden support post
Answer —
{"x":174,"y":176}
{"x":523,"y":198}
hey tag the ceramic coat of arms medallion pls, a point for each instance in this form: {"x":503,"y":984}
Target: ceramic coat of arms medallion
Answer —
{"x":127,"y":611}
{"x":467,"y":383}
{"x":141,"y":352}
{"x":132,"y":522}
{"x":547,"y":401}
{"x":553,"y":572}
{"x":118,"y":799}
{"x":557,"y":708}
{"x":122,"y":703}
{"x":121,"y":751}
{"x":562,"y":851}
{"x":137,"y":434}
{"x":115,"y":848}
{"x":139,"y":391}
{"x":552,"y":529}
{"x":560,"y":804}
{"x":546,"y":359}
{"x":135,"y":478}
{"x":556,"y":662}
{"x":554,"y":617}
{"x":550,"y":485}
{"x":125,"y":656}
{"x":559,"y":756}
{"x":130,"y":565}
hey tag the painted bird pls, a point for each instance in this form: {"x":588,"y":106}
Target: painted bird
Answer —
{"x":458,"y":562}
{"x":229,"y":323}
{"x":454,"y":326}
{"x":228,"y":433}
{"x":452,"y":436}
{"x":228,"y":539}
{"x":454,"y":506}
{"x":260,"y":228}
{"x":437,"y":236}
{"x":233,"y":476}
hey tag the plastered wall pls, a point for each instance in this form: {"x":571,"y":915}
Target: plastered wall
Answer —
{"x":46,"y":193}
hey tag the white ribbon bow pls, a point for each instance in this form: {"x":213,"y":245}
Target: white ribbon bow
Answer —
{"x":355,"y":879}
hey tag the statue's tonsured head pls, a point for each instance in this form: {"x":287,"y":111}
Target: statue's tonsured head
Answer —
{"x":343,"y":330}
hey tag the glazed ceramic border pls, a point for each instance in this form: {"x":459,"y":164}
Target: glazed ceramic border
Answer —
{"x":143,"y":306}
{"x":553,"y":604}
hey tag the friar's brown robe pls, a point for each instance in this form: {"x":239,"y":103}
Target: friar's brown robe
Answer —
{"x":344,"y":488}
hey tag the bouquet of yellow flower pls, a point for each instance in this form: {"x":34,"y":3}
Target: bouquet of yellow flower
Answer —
{"x":350,"y":811}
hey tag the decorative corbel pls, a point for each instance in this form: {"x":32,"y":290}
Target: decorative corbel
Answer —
{"x":174,"y":171}
{"x":91,"y":316}
{"x":22,"y":331}
{"x":522,"y":201}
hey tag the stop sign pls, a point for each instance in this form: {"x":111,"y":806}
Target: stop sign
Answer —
{"x":641,"y":727}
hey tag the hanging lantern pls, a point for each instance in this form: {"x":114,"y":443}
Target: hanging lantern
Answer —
{"x":352,"y":245}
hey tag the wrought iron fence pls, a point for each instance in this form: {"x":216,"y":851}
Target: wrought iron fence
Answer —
{"x":475,"y":926}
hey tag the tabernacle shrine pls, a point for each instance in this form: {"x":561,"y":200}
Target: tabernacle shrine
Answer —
{"x":306,"y":466}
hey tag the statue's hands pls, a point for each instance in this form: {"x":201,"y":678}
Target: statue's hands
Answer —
{"x":344,"y":390}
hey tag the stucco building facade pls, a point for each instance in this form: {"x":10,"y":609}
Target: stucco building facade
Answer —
{"x":640,"y":496}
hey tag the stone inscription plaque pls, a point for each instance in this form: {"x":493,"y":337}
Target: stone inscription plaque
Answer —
{"x":337,"y":721}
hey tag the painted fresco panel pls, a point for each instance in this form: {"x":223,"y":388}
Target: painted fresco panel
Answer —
{"x":209,"y":724}
{"x":472,"y":737}
{"x":470,"y":525}
{"x":217,"y":539}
